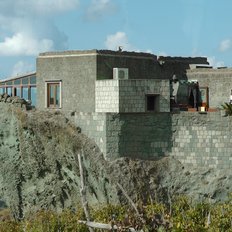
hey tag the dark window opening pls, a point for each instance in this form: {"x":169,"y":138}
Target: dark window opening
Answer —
{"x":152,"y":102}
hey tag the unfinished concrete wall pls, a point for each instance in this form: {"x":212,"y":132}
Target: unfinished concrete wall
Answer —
{"x":145,"y":136}
{"x":77,"y":73}
{"x":130,"y":95}
{"x":202,"y":139}
{"x":194,"y":139}
{"x":93,"y":125}
{"x":219,"y":82}
{"x":107,"y":96}
{"x":140,"y":65}
{"x":144,"y":65}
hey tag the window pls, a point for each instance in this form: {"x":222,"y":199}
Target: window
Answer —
{"x":152,"y":103}
{"x":33,"y":95}
{"x":2,"y":90}
{"x":9,"y":83}
{"x":23,"y":87}
{"x":17,"y":91}
{"x":25,"y":81}
{"x":33,"y":80}
{"x":17,"y":82}
{"x":25,"y":94}
{"x":9,"y":91}
{"x":53,"y":97}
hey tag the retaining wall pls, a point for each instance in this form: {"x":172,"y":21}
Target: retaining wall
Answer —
{"x":94,"y":126}
{"x":193,"y":138}
{"x":202,"y":139}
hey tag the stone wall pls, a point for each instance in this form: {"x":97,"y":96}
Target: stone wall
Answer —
{"x":219,"y":82}
{"x":140,"y":65}
{"x":145,"y":136}
{"x":144,"y":65}
{"x":202,"y":139}
{"x":130,"y":95}
{"x":107,"y":96}
{"x":77,"y":73}
{"x":194,"y":139}
{"x":94,"y":126}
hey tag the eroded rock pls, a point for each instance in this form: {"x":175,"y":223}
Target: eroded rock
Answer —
{"x":39,"y":168}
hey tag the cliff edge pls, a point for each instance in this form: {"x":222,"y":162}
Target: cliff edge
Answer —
{"x":39,"y":167}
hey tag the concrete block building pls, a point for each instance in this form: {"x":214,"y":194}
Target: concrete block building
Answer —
{"x":123,"y":101}
{"x":101,"y":81}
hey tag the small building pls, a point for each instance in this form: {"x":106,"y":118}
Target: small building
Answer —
{"x":112,"y":94}
{"x":131,"y":103}
{"x":107,"y":81}
{"x":23,"y":86}
{"x":101,"y":81}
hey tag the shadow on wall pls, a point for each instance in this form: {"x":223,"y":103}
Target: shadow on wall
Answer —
{"x":144,"y":136}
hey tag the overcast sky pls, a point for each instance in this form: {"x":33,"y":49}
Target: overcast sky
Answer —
{"x":162,"y":27}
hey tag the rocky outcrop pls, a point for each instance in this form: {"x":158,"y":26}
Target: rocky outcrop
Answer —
{"x":16,"y":101}
{"x":39,"y":168}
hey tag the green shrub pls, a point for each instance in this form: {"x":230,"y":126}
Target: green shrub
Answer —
{"x":180,"y":215}
{"x":228,"y":108}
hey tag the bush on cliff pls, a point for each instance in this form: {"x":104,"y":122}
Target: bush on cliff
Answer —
{"x":179,"y":215}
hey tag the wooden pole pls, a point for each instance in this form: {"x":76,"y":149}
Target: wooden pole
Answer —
{"x":83,"y":193}
{"x":104,"y":226}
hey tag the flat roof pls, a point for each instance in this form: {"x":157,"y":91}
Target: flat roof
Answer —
{"x":18,"y":77}
{"x":95,"y":52}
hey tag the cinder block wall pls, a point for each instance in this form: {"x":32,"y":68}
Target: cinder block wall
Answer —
{"x":94,"y":126}
{"x":194,"y":139}
{"x":219,"y":82}
{"x":202,"y":139}
{"x":146,"y":136}
{"x":77,"y":71}
{"x":107,"y":96}
{"x":130,"y":95}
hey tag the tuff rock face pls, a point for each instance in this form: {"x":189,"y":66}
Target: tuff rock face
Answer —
{"x":39,"y":168}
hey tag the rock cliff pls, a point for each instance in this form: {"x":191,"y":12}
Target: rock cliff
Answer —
{"x":39,"y":167}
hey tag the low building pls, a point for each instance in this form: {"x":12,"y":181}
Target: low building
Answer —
{"x":107,"y":81}
{"x":131,"y":103}
{"x":23,"y":86}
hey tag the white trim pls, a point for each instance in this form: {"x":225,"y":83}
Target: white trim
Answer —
{"x":95,"y":54}
{"x":66,"y":55}
{"x":53,"y":81}
{"x":60,"y":95}
{"x":46,"y":95}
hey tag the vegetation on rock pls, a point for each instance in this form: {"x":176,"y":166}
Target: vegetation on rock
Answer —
{"x":181,"y":215}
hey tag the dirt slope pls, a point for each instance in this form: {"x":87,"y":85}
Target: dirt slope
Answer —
{"x":39,"y":167}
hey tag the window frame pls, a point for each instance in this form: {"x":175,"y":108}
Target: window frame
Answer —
{"x":17,"y":84}
{"x":47,"y":85}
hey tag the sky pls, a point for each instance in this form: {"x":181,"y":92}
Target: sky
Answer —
{"x":167,"y":27}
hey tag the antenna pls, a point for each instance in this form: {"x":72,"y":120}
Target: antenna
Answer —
{"x":120,"y":48}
